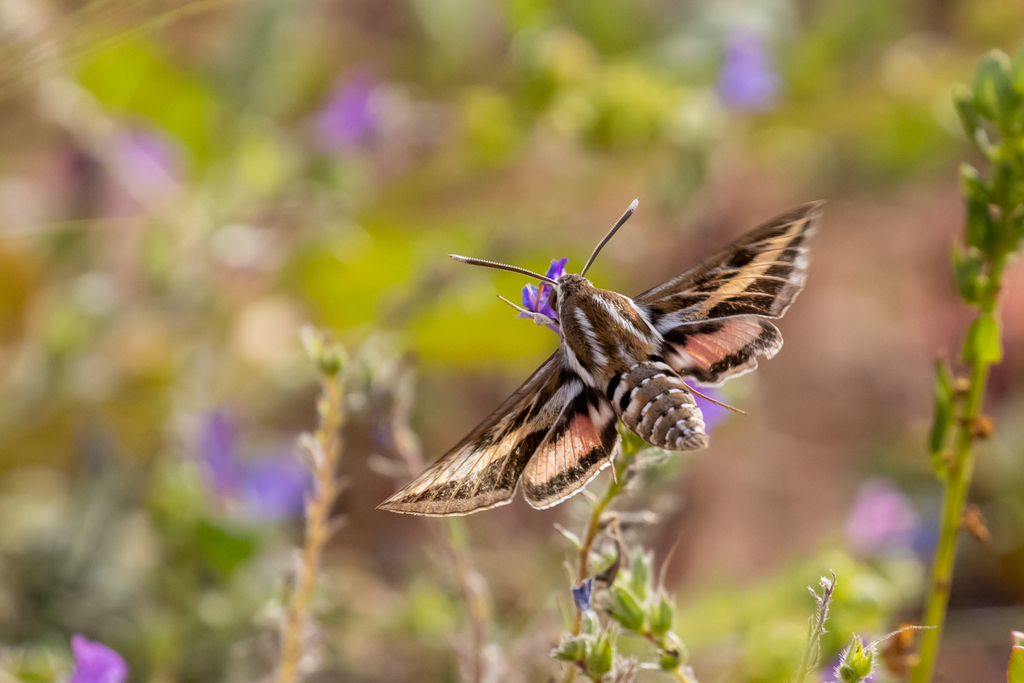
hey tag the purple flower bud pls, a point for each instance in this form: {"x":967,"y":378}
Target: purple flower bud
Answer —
{"x":96,"y":663}
{"x":882,"y":519}
{"x":747,"y":81}
{"x":581,"y":594}
{"x":350,"y":117}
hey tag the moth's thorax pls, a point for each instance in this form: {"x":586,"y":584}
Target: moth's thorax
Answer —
{"x":605,"y":332}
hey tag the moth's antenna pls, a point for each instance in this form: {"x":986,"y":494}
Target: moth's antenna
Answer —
{"x":502,"y":266}
{"x":618,"y":224}
{"x":717,"y":403}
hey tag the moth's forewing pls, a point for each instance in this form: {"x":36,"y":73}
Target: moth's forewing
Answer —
{"x":713,"y":316}
{"x":483,"y":470}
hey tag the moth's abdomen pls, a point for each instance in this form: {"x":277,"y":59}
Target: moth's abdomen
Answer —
{"x":652,"y":400}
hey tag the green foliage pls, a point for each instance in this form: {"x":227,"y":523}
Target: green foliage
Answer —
{"x":592,"y":650}
{"x":968,"y":267}
{"x":1015,"y":670}
{"x":942,"y":418}
{"x":992,"y":235}
{"x":994,"y":94}
{"x":133,"y":77}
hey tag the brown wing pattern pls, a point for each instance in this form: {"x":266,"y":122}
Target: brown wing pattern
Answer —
{"x":483,"y":470}
{"x":580,"y":444}
{"x":758,"y":274}
{"x":713,"y":351}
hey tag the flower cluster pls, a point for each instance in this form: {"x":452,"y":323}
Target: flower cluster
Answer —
{"x":632,"y":605}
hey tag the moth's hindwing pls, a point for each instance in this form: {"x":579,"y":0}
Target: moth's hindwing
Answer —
{"x":483,"y":470}
{"x":579,"y":445}
{"x":713,"y":351}
{"x":652,"y":401}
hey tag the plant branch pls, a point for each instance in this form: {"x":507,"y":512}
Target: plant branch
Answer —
{"x":325,"y":451}
{"x":954,"y":498}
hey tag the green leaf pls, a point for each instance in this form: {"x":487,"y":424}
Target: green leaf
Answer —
{"x":967,"y":265}
{"x":663,"y":615}
{"x":942,"y":418}
{"x":983,"y":345}
{"x":1017,"y":70}
{"x":626,"y":609}
{"x":963,"y":101}
{"x":1015,"y":671}
{"x":601,"y":658}
{"x":640,"y":575}
{"x":971,"y":184}
{"x":994,"y":96}
{"x":225,"y":549}
{"x":982,"y":231}
{"x":1017,"y":225}
{"x":571,"y":649}
{"x":1002,"y":178}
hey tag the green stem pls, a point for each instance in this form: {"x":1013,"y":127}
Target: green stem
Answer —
{"x":954,"y":497}
{"x":615,"y":487}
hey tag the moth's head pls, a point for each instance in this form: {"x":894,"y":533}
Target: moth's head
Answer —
{"x":570,"y":285}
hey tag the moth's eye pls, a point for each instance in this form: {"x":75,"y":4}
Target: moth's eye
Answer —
{"x":553,"y":299}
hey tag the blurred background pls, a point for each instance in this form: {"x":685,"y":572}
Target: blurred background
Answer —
{"x":184,"y":184}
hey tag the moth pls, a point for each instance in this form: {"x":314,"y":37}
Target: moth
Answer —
{"x":622,"y":358}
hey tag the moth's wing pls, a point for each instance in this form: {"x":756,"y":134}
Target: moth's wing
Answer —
{"x":713,"y":351}
{"x":483,"y":470}
{"x":760,"y":273}
{"x":579,"y":445}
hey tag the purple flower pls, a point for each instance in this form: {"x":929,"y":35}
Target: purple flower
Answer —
{"x":350,"y":117}
{"x":747,"y":81}
{"x":881,"y":519}
{"x":536,"y":298}
{"x":581,"y":594}
{"x":275,"y":488}
{"x":714,"y":414}
{"x":150,"y":161}
{"x":218,"y":450}
{"x":96,"y":663}
{"x":272,"y":487}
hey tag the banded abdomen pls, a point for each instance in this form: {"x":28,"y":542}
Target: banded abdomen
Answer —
{"x":652,"y":400}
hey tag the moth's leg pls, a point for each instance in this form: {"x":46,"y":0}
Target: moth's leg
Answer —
{"x":538,"y":318}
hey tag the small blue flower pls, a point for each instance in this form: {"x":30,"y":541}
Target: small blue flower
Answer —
{"x":747,"y":81}
{"x":96,"y":663}
{"x":270,"y":488}
{"x":536,"y":298}
{"x":581,"y":595}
